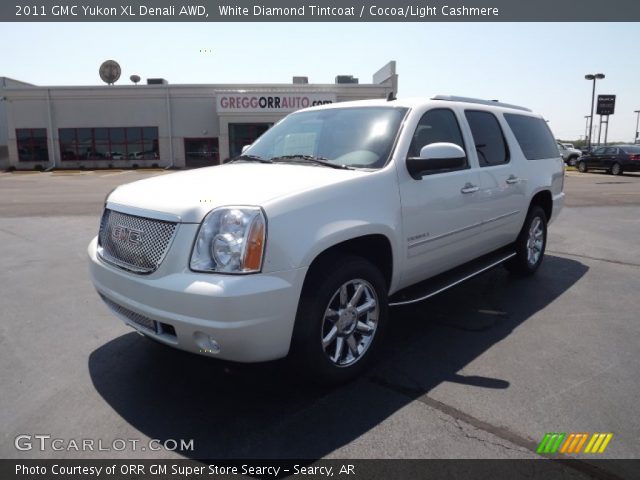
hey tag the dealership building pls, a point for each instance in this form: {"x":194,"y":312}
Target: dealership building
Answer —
{"x":157,"y":123}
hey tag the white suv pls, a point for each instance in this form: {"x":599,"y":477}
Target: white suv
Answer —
{"x":299,"y":246}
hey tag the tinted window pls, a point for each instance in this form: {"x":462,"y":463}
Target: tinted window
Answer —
{"x":599,"y":151}
{"x":630,"y":149}
{"x":533,"y":136}
{"x":611,"y":151}
{"x":32,"y":145}
{"x":439,"y":125}
{"x":488,"y":138}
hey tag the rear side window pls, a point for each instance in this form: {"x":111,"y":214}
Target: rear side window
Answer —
{"x":488,"y":138}
{"x":533,"y":135}
{"x":630,"y":150}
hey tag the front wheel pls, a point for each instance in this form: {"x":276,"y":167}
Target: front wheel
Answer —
{"x":582,"y":166}
{"x":530,"y":245}
{"x":340,"y":320}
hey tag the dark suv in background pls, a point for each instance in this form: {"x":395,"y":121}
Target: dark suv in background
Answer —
{"x":616,"y":159}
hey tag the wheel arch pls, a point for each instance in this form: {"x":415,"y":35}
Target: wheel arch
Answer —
{"x":374,"y":247}
{"x":544,"y":199}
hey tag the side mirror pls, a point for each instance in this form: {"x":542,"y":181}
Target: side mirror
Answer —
{"x":436,"y":158}
{"x":244,"y":148}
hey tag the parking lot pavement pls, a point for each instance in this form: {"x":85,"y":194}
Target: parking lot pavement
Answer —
{"x":481,"y":371}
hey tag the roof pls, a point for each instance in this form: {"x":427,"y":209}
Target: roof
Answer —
{"x":419,"y":101}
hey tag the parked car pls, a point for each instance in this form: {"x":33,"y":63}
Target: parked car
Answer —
{"x":300,"y":245}
{"x":569,"y":154}
{"x":615,"y":159}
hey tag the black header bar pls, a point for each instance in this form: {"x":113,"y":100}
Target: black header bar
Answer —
{"x":320,"y":11}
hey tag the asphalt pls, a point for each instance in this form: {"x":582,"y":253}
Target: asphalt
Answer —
{"x":481,"y":371}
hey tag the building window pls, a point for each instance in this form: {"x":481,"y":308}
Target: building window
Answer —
{"x":116,"y":143}
{"x":241,"y":134}
{"x":32,"y":144}
{"x":201,"y":152}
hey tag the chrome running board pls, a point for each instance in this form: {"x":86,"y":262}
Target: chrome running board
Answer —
{"x":438,"y":284}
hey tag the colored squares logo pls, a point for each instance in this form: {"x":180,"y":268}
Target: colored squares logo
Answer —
{"x":573,"y":443}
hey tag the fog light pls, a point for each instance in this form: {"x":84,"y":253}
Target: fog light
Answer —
{"x":214,"y":346}
{"x":206,"y":343}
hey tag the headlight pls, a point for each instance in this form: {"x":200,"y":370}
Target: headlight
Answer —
{"x":230,"y":240}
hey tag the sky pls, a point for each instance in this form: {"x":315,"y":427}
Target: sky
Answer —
{"x":537,"y":65}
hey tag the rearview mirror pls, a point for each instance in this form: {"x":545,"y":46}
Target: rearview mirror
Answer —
{"x":436,"y":158}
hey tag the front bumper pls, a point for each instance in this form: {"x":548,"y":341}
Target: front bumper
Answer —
{"x":249,"y":317}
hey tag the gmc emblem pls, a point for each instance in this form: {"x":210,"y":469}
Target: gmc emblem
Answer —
{"x":124,"y":234}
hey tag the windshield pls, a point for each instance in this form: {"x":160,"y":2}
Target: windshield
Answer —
{"x":359,"y":137}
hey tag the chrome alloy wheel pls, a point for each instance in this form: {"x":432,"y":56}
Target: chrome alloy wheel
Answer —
{"x":350,"y":322}
{"x":535,"y":241}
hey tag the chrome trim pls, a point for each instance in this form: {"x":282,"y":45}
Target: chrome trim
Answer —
{"x":460,"y":230}
{"x":500,"y":217}
{"x":446,"y":287}
{"x":443,"y":235}
{"x":143,"y":212}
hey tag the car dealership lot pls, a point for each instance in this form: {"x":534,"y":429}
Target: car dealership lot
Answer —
{"x":482,"y":371}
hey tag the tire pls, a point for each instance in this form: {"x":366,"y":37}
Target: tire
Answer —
{"x":616,"y":169}
{"x":530,"y":245}
{"x":572,"y":161}
{"x":582,"y":166}
{"x":338,"y":330}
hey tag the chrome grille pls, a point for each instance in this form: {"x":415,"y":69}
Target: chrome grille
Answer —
{"x":134,"y":243}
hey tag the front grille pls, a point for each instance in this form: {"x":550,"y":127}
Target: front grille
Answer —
{"x":136,"y":318}
{"x":168,"y":332}
{"x":137,"y":244}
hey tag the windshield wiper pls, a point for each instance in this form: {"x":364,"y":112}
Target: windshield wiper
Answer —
{"x":311,"y":159}
{"x":249,"y":158}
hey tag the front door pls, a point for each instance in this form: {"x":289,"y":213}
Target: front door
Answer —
{"x":442,"y":219}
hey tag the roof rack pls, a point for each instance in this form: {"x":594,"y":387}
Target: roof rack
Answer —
{"x":453,"y":98}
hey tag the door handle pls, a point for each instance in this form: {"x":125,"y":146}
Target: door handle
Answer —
{"x":469,"y":188}
{"x":513,"y":180}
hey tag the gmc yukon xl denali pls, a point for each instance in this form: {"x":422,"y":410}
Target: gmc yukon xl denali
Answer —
{"x":300,"y":245}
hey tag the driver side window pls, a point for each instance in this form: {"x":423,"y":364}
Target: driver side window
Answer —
{"x":437,"y":125}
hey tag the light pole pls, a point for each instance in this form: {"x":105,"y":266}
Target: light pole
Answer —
{"x":586,"y":127}
{"x":594,"y":77}
{"x":636,"y":139}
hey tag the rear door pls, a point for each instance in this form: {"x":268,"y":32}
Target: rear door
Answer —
{"x":596,"y":159}
{"x":610,"y":157}
{"x":502,"y":195}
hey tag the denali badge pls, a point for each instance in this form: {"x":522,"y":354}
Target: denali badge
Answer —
{"x":128,"y":235}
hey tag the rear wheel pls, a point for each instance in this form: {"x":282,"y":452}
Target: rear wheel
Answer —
{"x":582,"y":166}
{"x":616,"y":169}
{"x":340,"y":320}
{"x":572,"y":161}
{"x":531,"y":243}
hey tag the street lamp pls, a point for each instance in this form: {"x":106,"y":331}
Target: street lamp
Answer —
{"x":594,"y":77}
{"x":586,"y":127}
{"x":635,"y":140}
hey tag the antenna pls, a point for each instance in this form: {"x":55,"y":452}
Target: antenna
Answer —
{"x":135,"y":78}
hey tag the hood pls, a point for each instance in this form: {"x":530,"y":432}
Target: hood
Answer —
{"x":194,"y":193}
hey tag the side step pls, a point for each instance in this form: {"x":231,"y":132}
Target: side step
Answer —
{"x":433,"y":286}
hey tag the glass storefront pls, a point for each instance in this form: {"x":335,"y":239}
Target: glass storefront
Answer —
{"x":241,"y":134}
{"x":32,"y":144}
{"x":201,"y":152}
{"x":117,"y":143}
